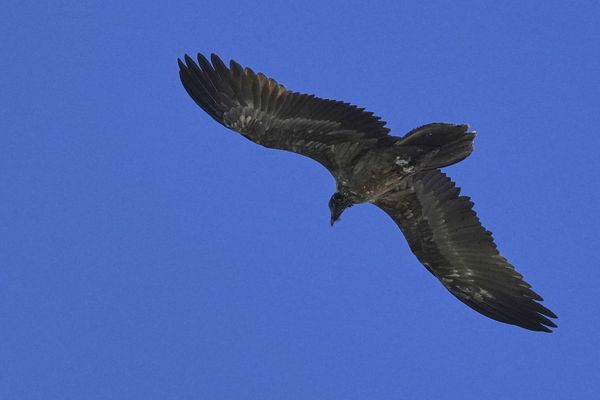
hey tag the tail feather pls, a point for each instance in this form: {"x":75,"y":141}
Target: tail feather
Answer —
{"x":444,"y":144}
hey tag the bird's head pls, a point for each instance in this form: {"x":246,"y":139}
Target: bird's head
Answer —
{"x":337,"y":204}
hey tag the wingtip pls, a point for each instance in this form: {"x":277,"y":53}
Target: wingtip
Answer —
{"x":236,"y":68}
{"x":545,"y":311}
{"x":202,"y":59}
{"x":218,"y":64}
{"x":542,"y":319}
{"x":550,"y":324}
{"x":215,"y":59}
{"x":188,"y":60}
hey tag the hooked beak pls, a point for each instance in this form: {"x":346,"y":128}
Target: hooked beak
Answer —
{"x":337,"y":205}
{"x":335,"y":215}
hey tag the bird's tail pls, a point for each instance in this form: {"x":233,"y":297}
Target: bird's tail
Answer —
{"x":442,"y":144}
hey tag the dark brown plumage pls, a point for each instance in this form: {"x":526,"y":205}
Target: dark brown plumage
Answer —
{"x":400,"y":175}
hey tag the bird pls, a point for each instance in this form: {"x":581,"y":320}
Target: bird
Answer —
{"x":399,"y":174}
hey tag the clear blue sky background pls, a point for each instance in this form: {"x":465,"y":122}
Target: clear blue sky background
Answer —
{"x":148,"y":253}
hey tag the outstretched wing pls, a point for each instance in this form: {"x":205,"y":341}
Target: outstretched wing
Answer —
{"x":266,"y":113}
{"x":445,"y":234}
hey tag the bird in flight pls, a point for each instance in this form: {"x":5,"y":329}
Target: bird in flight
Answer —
{"x":400,"y":175}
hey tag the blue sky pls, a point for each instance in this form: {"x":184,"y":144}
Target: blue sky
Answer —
{"x":148,"y":253}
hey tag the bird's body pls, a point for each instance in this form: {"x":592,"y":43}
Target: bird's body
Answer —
{"x":366,"y":175}
{"x":400,"y":175}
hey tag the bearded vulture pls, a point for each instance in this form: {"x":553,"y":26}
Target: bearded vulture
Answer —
{"x":400,"y":175}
